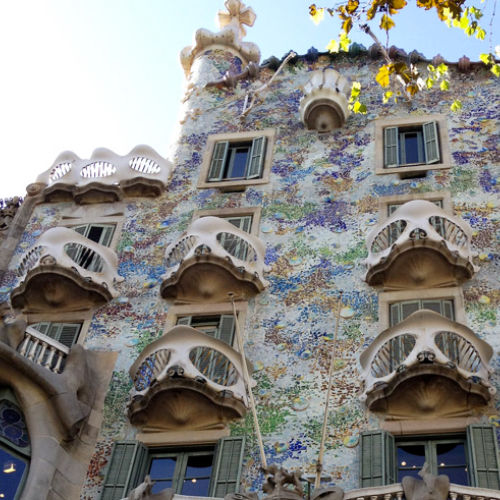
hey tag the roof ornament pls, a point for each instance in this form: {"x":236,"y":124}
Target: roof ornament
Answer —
{"x":230,"y":36}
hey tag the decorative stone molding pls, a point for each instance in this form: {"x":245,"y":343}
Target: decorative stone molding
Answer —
{"x":427,"y":366}
{"x":420,"y":246}
{"x":65,"y":271}
{"x":281,"y":484}
{"x":8,"y":210}
{"x":430,"y":487}
{"x":229,"y":37}
{"x":187,"y":380}
{"x":105,"y":177}
{"x":212,"y":259}
{"x":324,"y":106}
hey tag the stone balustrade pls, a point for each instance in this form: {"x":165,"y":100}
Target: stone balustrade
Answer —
{"x":433,"y":247}
{"x":43,"y":350}
{"x":106,"y":176}
{"x":204,"y":373}
{"x":228,"y":259}
{"x":62,"y":262}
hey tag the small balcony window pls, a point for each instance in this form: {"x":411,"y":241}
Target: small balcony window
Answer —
{"x":65,"y":333}
{"x":237,"y":160}
{"x":415,"y":145}
{"x":401,"y":310}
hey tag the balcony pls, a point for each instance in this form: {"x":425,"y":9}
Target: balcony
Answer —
{"x":65,"y":271}
{"x":187,"y":379}
{"x":420,"y":246}
{"x":40,"y":365}
{"x":324,"y":106}
{"x":212,"y":259}
{"x":428,"y":367}
{"x":105,"y":177}
{"x":395,"y":492}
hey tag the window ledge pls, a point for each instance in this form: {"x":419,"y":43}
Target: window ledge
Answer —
{"x":403,"y":171}
{"x":236,"y":185}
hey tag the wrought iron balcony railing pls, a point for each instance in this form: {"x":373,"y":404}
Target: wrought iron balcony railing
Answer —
{"x":187,"y":378}
{"x":59,"y":255}
{"x":412,"y":234}
{"x":213,"y":258}
{"x":426,"y":343}
{"x":106,"y":176}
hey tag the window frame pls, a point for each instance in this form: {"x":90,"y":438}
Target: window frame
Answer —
{"x":381,"y":125}
{"x":237,"y":184}
{"x":228,"y":213}
{"x":385,"y":299}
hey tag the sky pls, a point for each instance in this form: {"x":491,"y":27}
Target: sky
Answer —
{"x":83,"y":74}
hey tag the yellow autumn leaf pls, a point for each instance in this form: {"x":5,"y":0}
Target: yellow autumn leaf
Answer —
{"x":316,"y":14}
{"x":456,"y":105}
{"x":333,"y":46}
{"x":382,"y":77}
{"x":387,"y":96}
{"x":358,"y":107}
{"x":444,"y":85}
{"x":386,"y":23}
{"x":495,"y":69}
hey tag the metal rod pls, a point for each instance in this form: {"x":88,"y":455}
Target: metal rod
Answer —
{"x":246,"y":376}
{"x":319,"y":464}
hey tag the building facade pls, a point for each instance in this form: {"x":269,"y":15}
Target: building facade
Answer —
{"x":290,"y":257}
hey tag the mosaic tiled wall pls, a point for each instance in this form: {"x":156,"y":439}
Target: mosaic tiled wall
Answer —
{"x":316,"y":213}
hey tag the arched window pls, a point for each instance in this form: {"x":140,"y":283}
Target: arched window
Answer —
{"x":15,"y":447}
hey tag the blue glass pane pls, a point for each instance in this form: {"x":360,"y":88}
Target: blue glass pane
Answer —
{"x":411,"y":473}
{"x":411,"y":148}
{"x":162,"y":468}
{"x":161,"y":485}
{"x":199,"y":466}
{"x":12,"y":425}
{"x":196,"y":487}
{"x":11,"y":474}
{"x":450,"y":454}
{"x":239,"y":163}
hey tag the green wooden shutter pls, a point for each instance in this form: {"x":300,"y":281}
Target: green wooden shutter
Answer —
{"x":431,"y":145}
{"x":395,"y":316}
{"x":122,"y":474}
{"x":68,"y":333}
{"x":42,"y":327}
{"x":107,"y":235}
{"x":219,"y":158}
{"x":256,"y":160}
{"x":391,"y":147}
{"x":483,"y":456}
{"x":227,"y":470}
{"x":377,"y":459}
{"x":184,"y":320}
{"x":226,"y":329}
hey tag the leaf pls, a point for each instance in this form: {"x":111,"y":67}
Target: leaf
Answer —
{"x":397,"y":4}
{"x":344,"y":42}
{"x":347,"y":25}
{"x":480,"y":34}
{"x":316,"y":14}
{"x":487,"y":58}
{"x":442,"y":69}
{"x":431,"y":68}
{"x":495,"y":69}
{"x":444,"y":85}
{"x":412,"y":88}
{"x":387,"y":96}
{"x":333,"y":46}
{"x":383,"y":75}
{"x":355,"y":89}
{"x":456,"y":105}
{"x":464,"y":22}
{"x":429,"y":83}
{"x":386,"y":23}
{"x":359,"y":108}
{"x":352,"y":6}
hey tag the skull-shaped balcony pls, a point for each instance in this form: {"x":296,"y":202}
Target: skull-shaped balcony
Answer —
{"x":420,"y":246}
{"x":105,"y":177}
{"x":65,"y":271}
{"x":324,"y":106}
{"x":212,"y":259}
{"x":187,"y":379}
{"x":427,"y":366}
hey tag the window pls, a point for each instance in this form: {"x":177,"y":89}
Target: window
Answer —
{"x":233,"y":161}
{"x":399,"y":311}
{"x":84,"y":256}
{"x":220,"y":326}
{"x":208,"y":470}
{"x":411,"y":145}
{"x":15,"y":447}
{"x":232,"y":243}
{"x":444,"y":456}
{"x":65,"y":333}
{"x":467,"y":459}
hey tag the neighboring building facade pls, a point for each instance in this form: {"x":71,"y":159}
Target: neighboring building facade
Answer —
{"x":364,"y":243}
